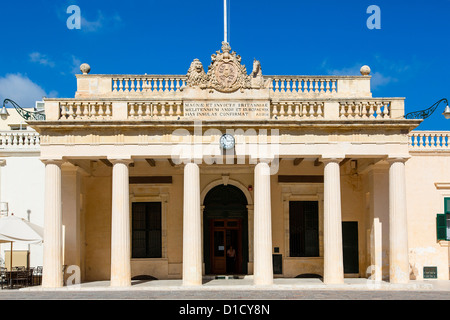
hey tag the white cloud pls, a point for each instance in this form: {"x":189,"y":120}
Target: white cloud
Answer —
{"x":101,"y":22}
{"x":22,"y":90}
{"x":41,"y":59}
{"x":76,"y":63}
{"x":378,"y":79}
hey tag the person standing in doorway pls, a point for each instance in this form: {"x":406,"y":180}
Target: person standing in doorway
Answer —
{"x":231,"y":260}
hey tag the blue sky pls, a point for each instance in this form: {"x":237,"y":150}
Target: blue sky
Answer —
{"x":409,"y":55}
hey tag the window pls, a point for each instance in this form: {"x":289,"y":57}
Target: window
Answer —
{"x":443,"y":222}
{"x":146,"y":230}
{"x":304,"y":229}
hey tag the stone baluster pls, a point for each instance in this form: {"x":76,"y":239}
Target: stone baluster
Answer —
{"x":282,"y":106}
{"x":163,"y":110}
{"x":101,"y":110}
{"x":121,"y":88}
{"x":276,"y":85}
{"x":297,"y":111}
{"x":178,"y":113}
{"x":140,"y":112}
{"x":289,"y":111}
{"x":282,"y":85}
{"x":78,"y":112}
{"x":71,"y":115}
{"x":108,"y":109}
{"x":319,"y":110}
{"x":148,"y":111}
{"x":132,"y":112}
{"x":155,"y":110}
{"x":333,"y":87}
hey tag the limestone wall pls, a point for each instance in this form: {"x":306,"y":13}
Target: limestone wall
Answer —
{"x":97,"y":217}
{"x":426,"y":178}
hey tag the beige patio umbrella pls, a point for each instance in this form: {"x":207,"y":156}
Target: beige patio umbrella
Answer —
{"x":15,"y":229}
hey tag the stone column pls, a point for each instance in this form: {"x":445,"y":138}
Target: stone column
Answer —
{"x":398,"y":229}
{"x":333,"y":251}
{"x":52,"y":257}
{"x":263,"y":263}
{"x":192,"y":235}
{"x":120,"y":225}
{"x":71,"y":217}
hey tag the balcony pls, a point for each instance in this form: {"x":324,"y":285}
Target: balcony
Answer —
{"x":19,"y":141}
{"x":425,"y":141}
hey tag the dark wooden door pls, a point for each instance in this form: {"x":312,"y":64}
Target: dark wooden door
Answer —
{"x":226,"y":233}
{"x":350,"y":247}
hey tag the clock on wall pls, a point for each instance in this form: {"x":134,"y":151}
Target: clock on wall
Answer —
{"x":227,"y":142}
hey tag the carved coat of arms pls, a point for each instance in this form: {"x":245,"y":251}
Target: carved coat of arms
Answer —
{"x":225,"y":74}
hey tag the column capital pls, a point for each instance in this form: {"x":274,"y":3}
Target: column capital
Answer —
{"x":394,"y":159}
{"x":123,"y":160}
{"x":57,"y":162}
{"x":332,"y":159}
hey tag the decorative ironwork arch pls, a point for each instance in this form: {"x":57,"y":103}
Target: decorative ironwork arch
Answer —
{"x":423,"y":114}
{"x":27,"y":115}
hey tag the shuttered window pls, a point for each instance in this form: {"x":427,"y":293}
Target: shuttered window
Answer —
{"x":146,"y":230}
{"x":304,"y":229}
{"x":443,"y":222}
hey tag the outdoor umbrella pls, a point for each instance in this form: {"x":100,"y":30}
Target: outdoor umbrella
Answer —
{"x":14,"y":229}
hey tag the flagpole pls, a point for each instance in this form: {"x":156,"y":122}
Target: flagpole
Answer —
{"x":225,"y":13}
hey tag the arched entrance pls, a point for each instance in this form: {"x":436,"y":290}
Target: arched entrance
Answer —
{"x":225,"y":225}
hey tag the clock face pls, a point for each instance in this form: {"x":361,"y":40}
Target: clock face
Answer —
{"x":227,"y":141}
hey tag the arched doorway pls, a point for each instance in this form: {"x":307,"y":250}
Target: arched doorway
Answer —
{"x":225,"y":224}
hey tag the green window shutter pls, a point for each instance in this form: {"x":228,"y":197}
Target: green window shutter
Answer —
{"x":447,"y":205}
{"x":441,"y":224}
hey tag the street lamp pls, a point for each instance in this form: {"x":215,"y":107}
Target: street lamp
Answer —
{"x":27,"y":115}
{"x":447,"y":112}
{"x":4,"y":113}
{"x":428,"y":112}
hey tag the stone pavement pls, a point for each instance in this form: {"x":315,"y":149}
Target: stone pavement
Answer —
{"x":246,"y":283}
{"x":239,"y":289}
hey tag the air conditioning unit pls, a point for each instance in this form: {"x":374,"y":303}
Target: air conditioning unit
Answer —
{"x":4,"y":208}
{"x":40,"y":105}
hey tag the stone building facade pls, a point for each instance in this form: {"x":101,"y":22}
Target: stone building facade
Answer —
{"x":159,"y":175}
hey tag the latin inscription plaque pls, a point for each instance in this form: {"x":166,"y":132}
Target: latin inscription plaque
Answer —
{"x":227,"y":110}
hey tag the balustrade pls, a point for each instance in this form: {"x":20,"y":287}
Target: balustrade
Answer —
{"x":429,"y":140}
{"x":146,"y":83}
{"x":364,"y":110}
{"x":303,"y":85}
{"x":77,"y":110}
{"x":298,"y":110}
{"x":19,"y":139}
{"x":154,"y":110}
